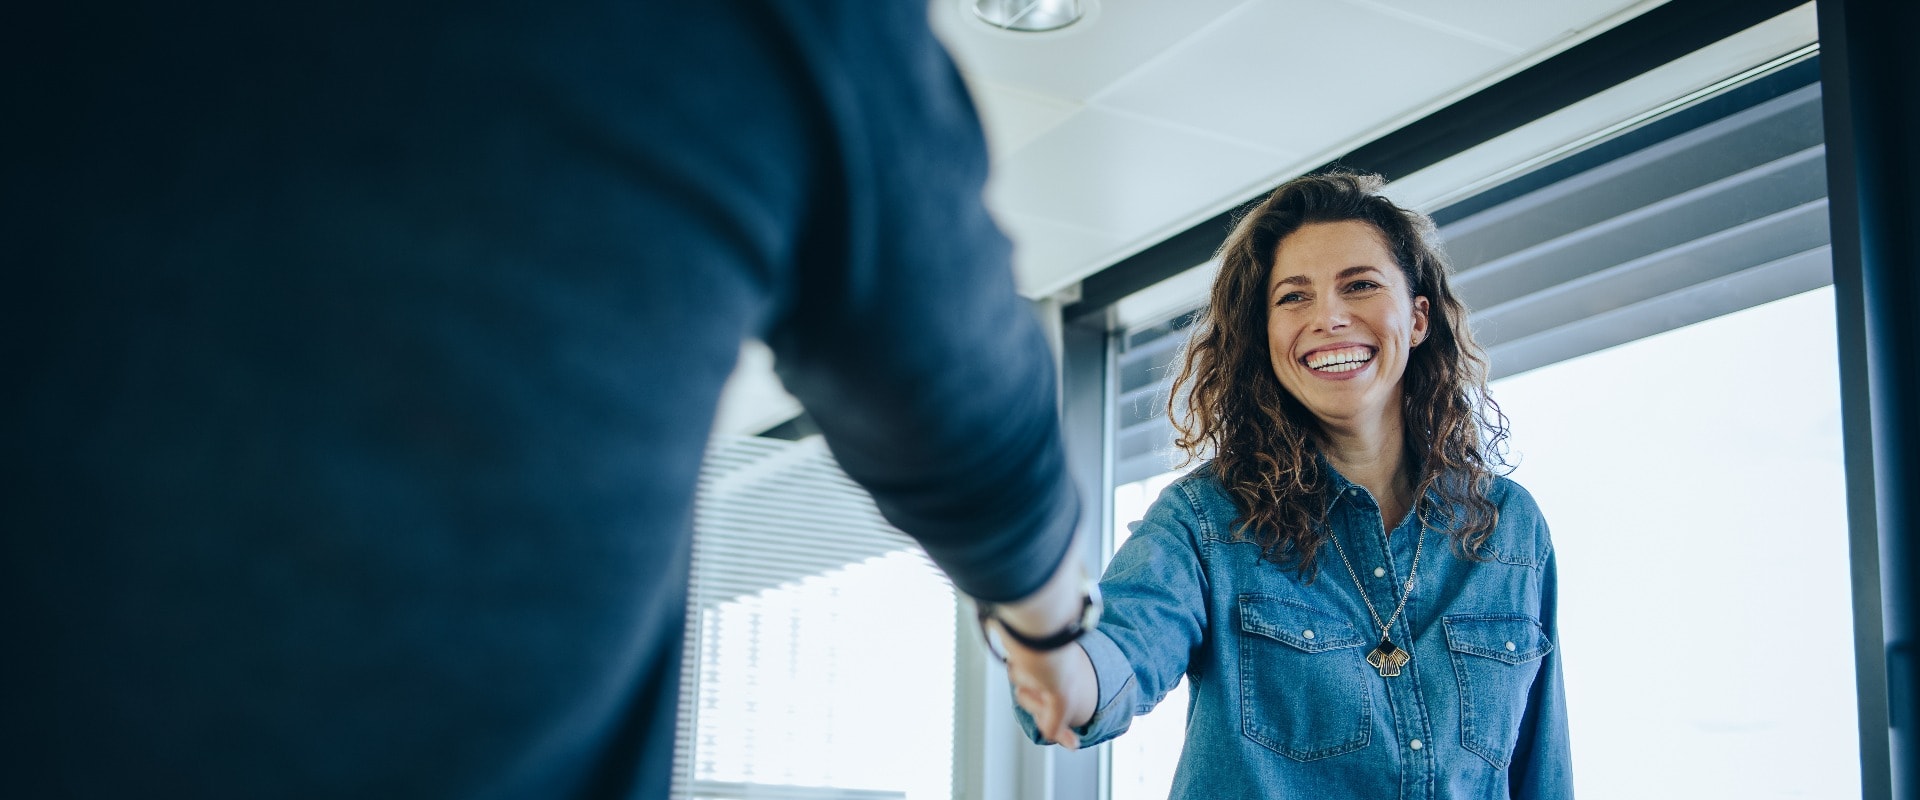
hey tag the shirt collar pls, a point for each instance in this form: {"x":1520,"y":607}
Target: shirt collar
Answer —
{"x":1339,"y":489}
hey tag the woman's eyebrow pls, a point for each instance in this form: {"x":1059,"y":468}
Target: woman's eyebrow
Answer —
{"x":1301,"y":280}
{"x":1296,"y":280}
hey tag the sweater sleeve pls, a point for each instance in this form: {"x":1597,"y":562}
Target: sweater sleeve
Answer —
{"x":900,"y":328}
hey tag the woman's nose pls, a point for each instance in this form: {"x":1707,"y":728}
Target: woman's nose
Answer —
{"x":1333,"y":315}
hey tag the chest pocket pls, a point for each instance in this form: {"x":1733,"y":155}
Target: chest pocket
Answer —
{"x":1495,"y":658}
{"x":1303,"y":692}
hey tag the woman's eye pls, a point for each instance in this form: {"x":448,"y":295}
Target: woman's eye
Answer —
{"x":1291,"y":297}
{"x":1361,"y":286}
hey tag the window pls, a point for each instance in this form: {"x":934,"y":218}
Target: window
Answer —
{"x":820,"y":641}
{"x":1699,"y":515}
{"x":1144,"y":758}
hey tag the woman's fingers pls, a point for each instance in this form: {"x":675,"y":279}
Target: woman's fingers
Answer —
{"x":1048,"y":685}
{"x":1049,"y":711}
{"x":1066,"y":738}
{"x":1045,"y":717}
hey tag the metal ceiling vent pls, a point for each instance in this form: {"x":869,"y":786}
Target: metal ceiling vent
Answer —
{"x":1028,"y":15}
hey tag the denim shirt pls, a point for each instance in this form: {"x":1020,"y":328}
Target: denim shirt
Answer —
{"x":1283,"y":703}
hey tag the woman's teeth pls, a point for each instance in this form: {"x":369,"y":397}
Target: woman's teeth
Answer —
{"x":1345,"y":359}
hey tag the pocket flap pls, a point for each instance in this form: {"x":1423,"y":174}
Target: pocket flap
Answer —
{"x":1296,"y":624}
{"x":1513,"y":638}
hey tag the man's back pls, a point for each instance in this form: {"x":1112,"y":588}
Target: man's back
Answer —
{"x":365,"y":360}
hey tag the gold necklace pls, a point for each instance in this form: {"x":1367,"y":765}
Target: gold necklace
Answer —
{"x":1387,"y":658}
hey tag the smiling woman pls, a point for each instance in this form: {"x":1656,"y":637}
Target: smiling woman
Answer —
{"x":1339,"y":400}
{"x":1338,"y":336}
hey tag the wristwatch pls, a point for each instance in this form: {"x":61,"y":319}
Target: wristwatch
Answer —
{"x":1075,"y":628}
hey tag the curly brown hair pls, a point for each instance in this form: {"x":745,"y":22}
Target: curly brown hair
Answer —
{"x":1264,"y":443}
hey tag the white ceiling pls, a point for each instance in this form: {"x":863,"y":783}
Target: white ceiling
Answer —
{"x":1149,"y":116}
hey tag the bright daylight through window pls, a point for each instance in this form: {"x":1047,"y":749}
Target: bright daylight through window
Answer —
{"x":820,"y":647}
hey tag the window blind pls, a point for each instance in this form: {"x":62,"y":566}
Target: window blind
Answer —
{"x":820,"y":640}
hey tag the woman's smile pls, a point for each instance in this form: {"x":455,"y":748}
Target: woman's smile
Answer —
{"x":1338,"y":362}
{"x":1342,"y":321}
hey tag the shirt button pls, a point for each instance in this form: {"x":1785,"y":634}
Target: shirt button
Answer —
{"x":1415,"y":744}
{"x":1379,"y":572}
{"x":1309,"y":634}
{"x":1510,"y":647}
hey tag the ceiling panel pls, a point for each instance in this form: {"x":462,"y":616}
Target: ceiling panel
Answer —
{"x":1076,"y":62}
{"x":1304,"y":75}
{"x":1123,"y":175}
{"x":1045,"y":251}
{"x":1013,"y":117}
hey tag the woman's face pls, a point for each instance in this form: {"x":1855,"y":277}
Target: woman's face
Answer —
{"x":1341,"y":321}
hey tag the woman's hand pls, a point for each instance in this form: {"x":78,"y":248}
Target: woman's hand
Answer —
{"x":1057,"y":687}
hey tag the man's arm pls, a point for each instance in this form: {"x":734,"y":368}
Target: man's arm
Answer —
{"x":900,"y":329}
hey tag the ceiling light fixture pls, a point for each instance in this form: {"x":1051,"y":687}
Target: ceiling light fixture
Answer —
{"x":1028,"y":15}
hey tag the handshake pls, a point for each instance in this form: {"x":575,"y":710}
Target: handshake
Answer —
{"x":1052,"y":677}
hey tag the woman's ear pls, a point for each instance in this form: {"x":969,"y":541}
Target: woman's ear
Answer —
{"x":1419,"y":320}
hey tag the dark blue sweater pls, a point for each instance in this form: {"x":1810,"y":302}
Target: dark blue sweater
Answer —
{"x":362,"y":357}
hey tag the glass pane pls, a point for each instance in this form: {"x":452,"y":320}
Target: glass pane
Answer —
{"x":820,"y":657}
{"x":1693,"y":482}
{"x":1144,"y":758}
{"x":836,"y":682}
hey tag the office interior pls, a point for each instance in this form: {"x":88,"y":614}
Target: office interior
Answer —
{"x":1657,"y":213}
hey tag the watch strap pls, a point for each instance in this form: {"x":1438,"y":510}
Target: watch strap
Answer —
{"x":1075,"y":628}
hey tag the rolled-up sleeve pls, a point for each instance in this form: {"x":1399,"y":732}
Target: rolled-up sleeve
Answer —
{"x":1156,"y":617}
